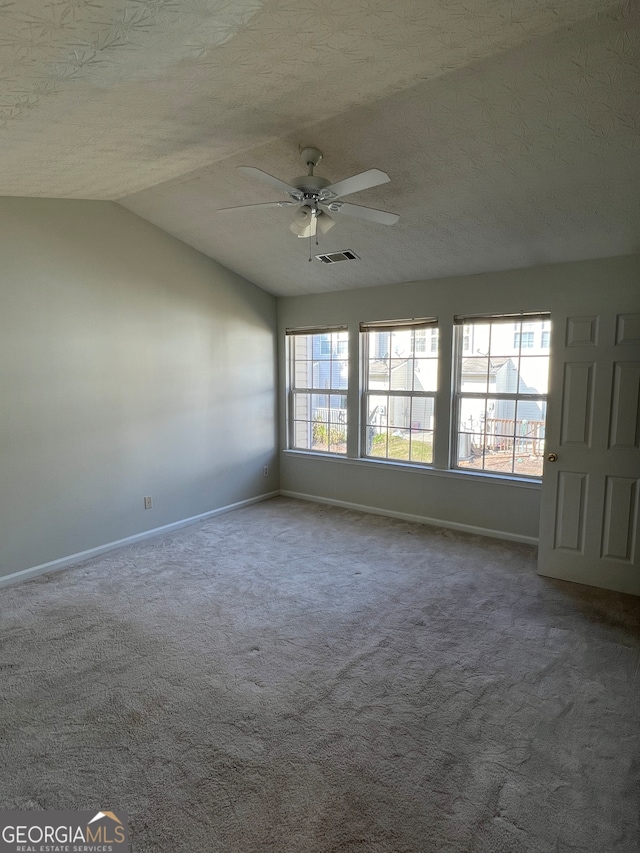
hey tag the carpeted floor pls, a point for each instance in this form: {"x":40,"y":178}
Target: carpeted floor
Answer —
{"x":294,"y":677}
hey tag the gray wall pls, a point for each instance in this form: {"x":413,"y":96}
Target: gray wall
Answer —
{"x":459,"y":500}
{"x":130,"y":365}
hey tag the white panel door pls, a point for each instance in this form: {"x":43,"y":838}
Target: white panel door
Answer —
{"x":590,"y":500}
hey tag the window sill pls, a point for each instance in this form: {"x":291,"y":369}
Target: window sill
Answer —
{"x":427,"y":470}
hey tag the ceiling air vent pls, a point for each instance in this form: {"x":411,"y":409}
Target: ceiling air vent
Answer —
{"x":334,"y":257}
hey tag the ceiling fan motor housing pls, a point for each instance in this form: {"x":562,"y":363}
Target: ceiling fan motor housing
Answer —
{"x":310,"y":184}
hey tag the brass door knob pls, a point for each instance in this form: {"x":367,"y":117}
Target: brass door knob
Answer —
{"x":552,"y":457}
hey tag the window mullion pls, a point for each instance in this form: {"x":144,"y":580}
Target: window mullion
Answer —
{"x":502,"y":395}
{"x":400,"y":393}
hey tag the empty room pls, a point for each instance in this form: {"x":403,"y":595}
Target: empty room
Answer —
{"x":319,"y":426}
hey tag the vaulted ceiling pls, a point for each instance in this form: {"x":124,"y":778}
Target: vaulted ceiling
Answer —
{"x":509,"y":128}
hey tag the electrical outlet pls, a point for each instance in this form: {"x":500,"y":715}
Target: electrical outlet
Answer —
{"x":148,"y":503}
{"x":265,"y":471}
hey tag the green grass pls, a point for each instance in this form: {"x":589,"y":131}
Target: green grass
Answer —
{"x":399,"y":448}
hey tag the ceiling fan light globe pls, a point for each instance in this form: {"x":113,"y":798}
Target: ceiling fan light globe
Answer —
{"x":298,"y":230}
{"x":303,"y":216}
{"x":325,"y":222}
{"x":304,"y":223}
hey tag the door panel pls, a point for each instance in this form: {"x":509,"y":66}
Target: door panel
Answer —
{"x":590,"y":496}
{"x":625,"y":405}
{"x":570,"y":511}
{"x":577,"y":403}
{"x":620,"y":513}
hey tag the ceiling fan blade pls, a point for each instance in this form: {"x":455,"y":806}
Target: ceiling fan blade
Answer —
{"x":263,"y":204}
{"x":382,"y":217}
{"x":356,"y":183}
{"x":269,"y":179}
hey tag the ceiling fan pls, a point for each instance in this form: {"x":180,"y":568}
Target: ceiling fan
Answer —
{"x":314,"y":198}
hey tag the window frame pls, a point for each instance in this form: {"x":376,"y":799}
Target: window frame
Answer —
{"x":427,"y":323}
{"x":458,"y":395}
{"x":293,"y":389}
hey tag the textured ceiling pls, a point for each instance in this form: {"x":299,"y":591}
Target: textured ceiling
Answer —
{"x":510,"y":130}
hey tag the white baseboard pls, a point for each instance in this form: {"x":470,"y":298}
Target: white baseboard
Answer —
{"x":83,"y":556}
{"x":420,"y":519}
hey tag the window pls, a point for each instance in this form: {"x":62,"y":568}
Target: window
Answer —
{"x":420,"y":341}
{"x":400,"y":381}
{"x":318,"y":382}
{"x":523,"y":340}
{"x":501,"y":395}
{"x":496,"y":393}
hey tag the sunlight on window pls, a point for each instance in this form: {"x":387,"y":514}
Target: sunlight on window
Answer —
{"x":319,"y":372}
{"x":501,"y":395}
{"x":401,"y":374}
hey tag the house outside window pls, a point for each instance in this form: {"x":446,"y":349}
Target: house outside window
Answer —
{"x":524,"y":339}
{"x":500,"y":395}
{"x":420,"y":341}
{"x":400,"y":381}
{"x":318,"y":385}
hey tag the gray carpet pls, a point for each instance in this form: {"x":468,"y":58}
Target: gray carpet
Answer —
{"x":293,"y":677}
